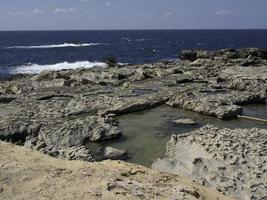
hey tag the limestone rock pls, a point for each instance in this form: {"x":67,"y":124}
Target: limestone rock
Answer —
{"x":188,"y":55}
{"x":230,"y":160}
{"x":113,"y":153}
{"x":27,"y":174}
{"x":43,"y":76}
{"x":184,"y":121}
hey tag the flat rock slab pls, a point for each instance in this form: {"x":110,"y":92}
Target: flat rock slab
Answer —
{"x":184,"y":121}
{"x":251,"y":73}
{"x":219,"y":105}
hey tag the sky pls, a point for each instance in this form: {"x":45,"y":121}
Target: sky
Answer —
{"x":132,"y":14}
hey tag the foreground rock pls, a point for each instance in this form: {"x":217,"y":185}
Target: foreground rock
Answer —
{"x":29,"y":175}
{"x":232,"y":161}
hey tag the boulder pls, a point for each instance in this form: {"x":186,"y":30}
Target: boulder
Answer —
{"x":203,"y":54}
{"x":43,"y":76}
{"x":190,"y":55}
{"x":111,"y":62}
{"x":113,"y":153}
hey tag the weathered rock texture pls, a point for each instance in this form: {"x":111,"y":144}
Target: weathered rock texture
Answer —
{"x":78,"y":108}
{"x":67,"y":113}
{"x":29,"y":175}
{"x":232,"y":161}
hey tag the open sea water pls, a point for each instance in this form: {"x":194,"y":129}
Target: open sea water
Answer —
{"x":34,"y":51}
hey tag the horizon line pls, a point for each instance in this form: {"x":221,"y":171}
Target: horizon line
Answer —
{"x":182,"y":29}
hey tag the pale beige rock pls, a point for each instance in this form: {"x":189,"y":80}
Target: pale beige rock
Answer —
{"x":26,"y":174}
{"x":233,"y":161}
{"x":184,"y":121}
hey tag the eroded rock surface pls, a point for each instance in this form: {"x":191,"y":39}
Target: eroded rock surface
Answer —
{"x":69,"y":113}
{"x":27,"y":174}
{"x":76,"y":108}
{"x":232,"y":161}
{"x":113,"y":153}
{"x":225,"y":105}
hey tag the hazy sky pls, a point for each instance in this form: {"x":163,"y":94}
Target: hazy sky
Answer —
{"x":132,"y":14}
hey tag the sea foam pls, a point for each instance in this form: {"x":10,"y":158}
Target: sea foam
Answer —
{"x":35,"y":68}
{"x":54,"y":46}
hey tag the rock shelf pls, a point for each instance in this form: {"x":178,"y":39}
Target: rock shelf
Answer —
{"x":64,"y":113}
{"x":232,"y":161}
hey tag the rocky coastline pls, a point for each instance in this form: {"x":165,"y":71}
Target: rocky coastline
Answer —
{"x":65,"y":113}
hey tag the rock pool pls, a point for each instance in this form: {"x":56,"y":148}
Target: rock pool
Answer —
{"x":145,"y":133}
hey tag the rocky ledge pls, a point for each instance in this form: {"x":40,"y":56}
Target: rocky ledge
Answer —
{"x":27,"y":174}
{"x":232,"y":161}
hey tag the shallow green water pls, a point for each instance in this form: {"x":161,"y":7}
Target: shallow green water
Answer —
{"x":146,"y":133}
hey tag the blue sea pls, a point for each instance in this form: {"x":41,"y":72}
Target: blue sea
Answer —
{"x":34,"y":51}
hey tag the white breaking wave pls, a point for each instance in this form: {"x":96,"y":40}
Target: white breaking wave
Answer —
{"x":54,"y":46}
{"x":35,"y":68}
